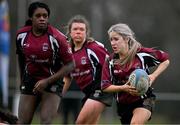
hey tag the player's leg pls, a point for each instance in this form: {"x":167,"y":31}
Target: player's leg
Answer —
{"x":91,"y":112}
{"x":142,"y":113}
{"x":27,"y":107}
{"x":140,"y":116}
{"x":76,"y":108}
{"x":49,"y":107}
{"x":65,"y":109}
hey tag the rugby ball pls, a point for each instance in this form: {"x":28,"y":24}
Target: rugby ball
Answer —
{"x":140,"y":80}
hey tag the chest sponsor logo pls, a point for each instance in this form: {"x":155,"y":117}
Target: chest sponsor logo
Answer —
{"x":75,"y":74}
{"x":83,"y":60}
{"x":45,"y":47}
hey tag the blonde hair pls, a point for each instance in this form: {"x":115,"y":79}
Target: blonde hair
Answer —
{"x":125,"y":31}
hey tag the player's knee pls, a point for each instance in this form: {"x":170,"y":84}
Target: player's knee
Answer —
{"x":46,"y":119}
{"x":24,"y":121}
{"x":136,"y":122}
{"x":80,"y":121}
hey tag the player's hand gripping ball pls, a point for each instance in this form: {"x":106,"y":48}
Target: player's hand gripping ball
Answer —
{"x":140,"y":80}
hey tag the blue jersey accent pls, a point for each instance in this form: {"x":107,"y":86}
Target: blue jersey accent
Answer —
{"x":4,"y":28}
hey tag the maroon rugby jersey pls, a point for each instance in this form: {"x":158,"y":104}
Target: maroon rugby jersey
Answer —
{"x":44,"y":55}
{"x":144,"y":59}
{"x":89,"y":60}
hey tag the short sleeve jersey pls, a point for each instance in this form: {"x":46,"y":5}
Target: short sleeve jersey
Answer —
{"x":43,"y":55}
{"x":89,"y":60}
{"x":113,"y":73}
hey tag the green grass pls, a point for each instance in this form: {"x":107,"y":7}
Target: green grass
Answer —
{"x":110,"y":119}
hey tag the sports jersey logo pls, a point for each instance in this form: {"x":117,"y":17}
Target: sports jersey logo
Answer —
{"x":69,"y":50}
{"x":23,"y":87}
{"x":54,"y":88}
{"x":26,"y":45}
{"x":117,"y":71}
{"x":45,"y":47}
{"x":33,"y":57}
{"x":97,"y":93}
{"x":83,"y":60}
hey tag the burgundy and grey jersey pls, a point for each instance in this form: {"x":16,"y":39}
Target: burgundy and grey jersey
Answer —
{"x":89,"y":60}
{"x":43,"y":55}
{"x":113,"y":73}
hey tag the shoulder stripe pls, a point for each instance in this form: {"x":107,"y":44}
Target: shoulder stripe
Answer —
{"x":94,"y":61}
{"x":99,"y":43}
{"x":54,"y":46}
{"x":21,"y":36}
{"x":53,"y":41}
{"x":90,"y":52}
{"x":143,"y":55}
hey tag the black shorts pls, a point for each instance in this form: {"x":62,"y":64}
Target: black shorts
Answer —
{"x":125,"y":110}
{"x":28,"y":85}
{"x":98,"y":95}
{"x":92,"y":91}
